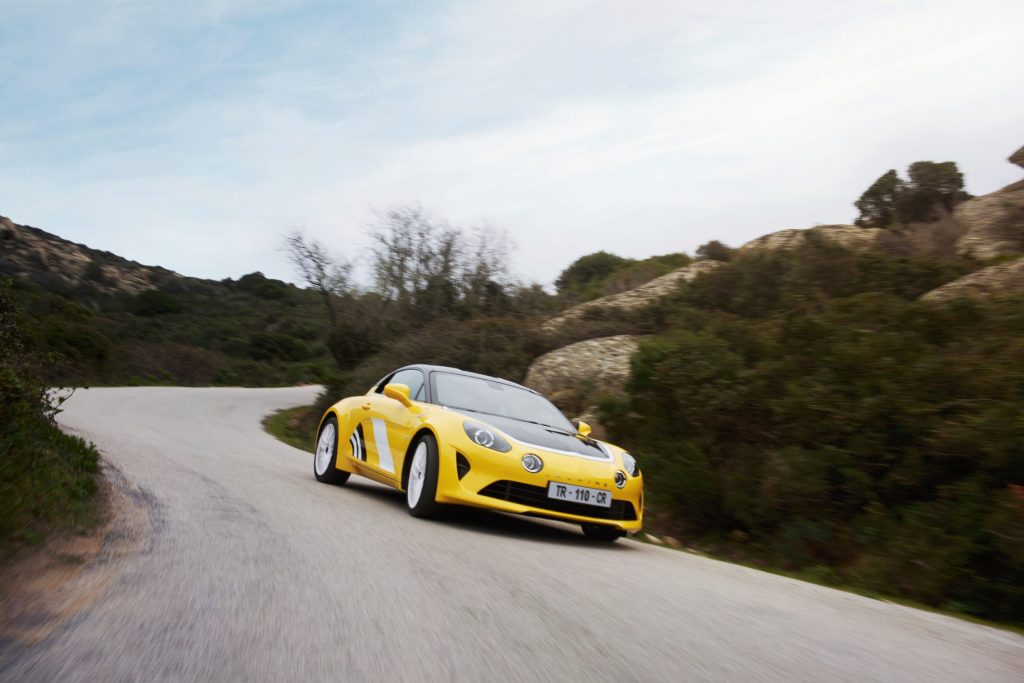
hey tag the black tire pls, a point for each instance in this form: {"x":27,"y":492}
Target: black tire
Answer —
{"x":425,"y":506}
{"x":331,"y":474}
{"x":602,"y":533}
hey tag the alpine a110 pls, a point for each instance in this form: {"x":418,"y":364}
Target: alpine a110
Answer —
{"x":446,"y":436}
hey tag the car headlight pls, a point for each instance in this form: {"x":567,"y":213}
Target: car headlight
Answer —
{"x":532,"y":463}
{"x":629,"y":462}
{"x":486,"y":437}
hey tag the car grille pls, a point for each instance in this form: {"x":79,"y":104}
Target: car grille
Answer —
{"x":537,"y":496}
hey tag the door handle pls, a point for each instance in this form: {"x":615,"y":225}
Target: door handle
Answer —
{"x":366,"y":406}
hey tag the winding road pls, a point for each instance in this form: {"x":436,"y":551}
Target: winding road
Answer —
{"x":249,"y":570}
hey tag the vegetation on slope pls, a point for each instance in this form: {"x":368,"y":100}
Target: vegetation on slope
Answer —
{"x":601,"y":274}
{"x":797,"y":407}
{"x":252,"y":331}
{"x":803,"y":408}
{"x":440,"y":295}
{"x":48,"y":479}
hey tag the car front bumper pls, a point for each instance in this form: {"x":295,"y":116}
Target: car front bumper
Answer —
{"x":498,"y":481}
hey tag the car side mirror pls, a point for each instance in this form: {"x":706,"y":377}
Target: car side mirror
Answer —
{"x":400,"y":392}
{"x":582,"y":427}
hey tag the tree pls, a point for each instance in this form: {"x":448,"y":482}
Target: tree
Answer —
{"x":430,"y":268}
{"x":323,"y":273}
{"x":412,"y":253}
{"x":587,"y":269}
{"x":714,"y":251}
{"x":423,"y":269}
{"x":878,"y":204}
{"x":933,"y":188}
{"x":485,"y":275}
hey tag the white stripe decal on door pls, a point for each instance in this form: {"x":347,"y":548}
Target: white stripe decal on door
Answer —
{"x":380,"y":436}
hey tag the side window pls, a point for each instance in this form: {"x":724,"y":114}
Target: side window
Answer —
{"x":413,"y":379}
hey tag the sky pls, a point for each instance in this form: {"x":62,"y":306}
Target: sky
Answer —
{"x":192,"y":135}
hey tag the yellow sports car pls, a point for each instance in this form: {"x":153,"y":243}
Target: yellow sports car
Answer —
{"x":449,"y":436}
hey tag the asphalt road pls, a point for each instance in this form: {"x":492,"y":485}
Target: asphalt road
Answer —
{"x":252,"y":571}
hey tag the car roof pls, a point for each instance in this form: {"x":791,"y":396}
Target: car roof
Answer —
{"x":456,"y":371}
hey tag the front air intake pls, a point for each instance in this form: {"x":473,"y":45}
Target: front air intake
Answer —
{"x":537,"y":496}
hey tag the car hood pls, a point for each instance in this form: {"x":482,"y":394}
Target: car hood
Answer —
{"x":542,"y":437}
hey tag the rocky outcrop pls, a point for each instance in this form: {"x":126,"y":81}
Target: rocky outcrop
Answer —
{"x":993,"y":224}
{"x":634,"y":298}
{"x":983,"y":227}
{"x":597,"y":364}
{"x":1017,"y":157}
{"x":850,"y":236}
{"x":1000,"y":279}
{"x":31,"y":253}
{"x":575,"y":375}
{"x":847,"y":235}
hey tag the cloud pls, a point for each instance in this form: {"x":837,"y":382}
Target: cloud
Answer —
{"x":193,"y":138}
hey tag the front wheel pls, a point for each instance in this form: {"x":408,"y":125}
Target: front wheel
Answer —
{"x":325,"y":458}
{"x":421,"y":485}
{"x":602,"y":533}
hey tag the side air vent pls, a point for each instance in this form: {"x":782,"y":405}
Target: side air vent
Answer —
{"x":358,"y":444}
{"x":461,"y":464}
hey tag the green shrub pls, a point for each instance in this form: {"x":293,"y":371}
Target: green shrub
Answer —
{"x":600,"y":274}
{"x":838,"y":422}
{"x":47,"y":479}
{"x":152,"y":302}
{"x":276,"y":346}
{"x":262,"y":286}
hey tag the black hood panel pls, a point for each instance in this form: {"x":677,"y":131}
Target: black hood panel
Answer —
{"x":541,"y":436}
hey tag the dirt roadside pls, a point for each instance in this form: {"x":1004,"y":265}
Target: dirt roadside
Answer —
{"x":44,"y":588}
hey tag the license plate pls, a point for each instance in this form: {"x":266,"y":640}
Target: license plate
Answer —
{"x":580,"y":494}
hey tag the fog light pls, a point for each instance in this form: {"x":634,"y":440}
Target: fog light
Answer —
{"x":620,"y":478}
{"x":531,"y":463}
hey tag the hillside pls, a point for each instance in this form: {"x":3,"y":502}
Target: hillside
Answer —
{"x":843,"y":402}
{"x":115,"y":321}
{"x":59,"y":265}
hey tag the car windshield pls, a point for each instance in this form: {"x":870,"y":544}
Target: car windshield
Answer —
{"x":491,"y":397}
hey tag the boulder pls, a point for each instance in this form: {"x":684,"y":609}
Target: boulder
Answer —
{"x":993,"y":224}
{"x":600,"y":365}
{"x":1000,"y":279}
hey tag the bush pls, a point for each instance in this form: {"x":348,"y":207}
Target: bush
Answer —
{"x":600,"y":274}
{"x":156,"y":302}
{"x":715,"y":251}
{"x":47,"y":479}
{"x":262,"y":287}
{"x":276,"y":346}
{"x":840,"y":423}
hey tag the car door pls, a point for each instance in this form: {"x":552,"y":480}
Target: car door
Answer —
{"x":389,"y":425}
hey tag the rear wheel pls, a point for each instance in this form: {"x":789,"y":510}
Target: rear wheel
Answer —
{"x":602,"y":533}
{"x":325,"y":458}
{"x":421,"y":486}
